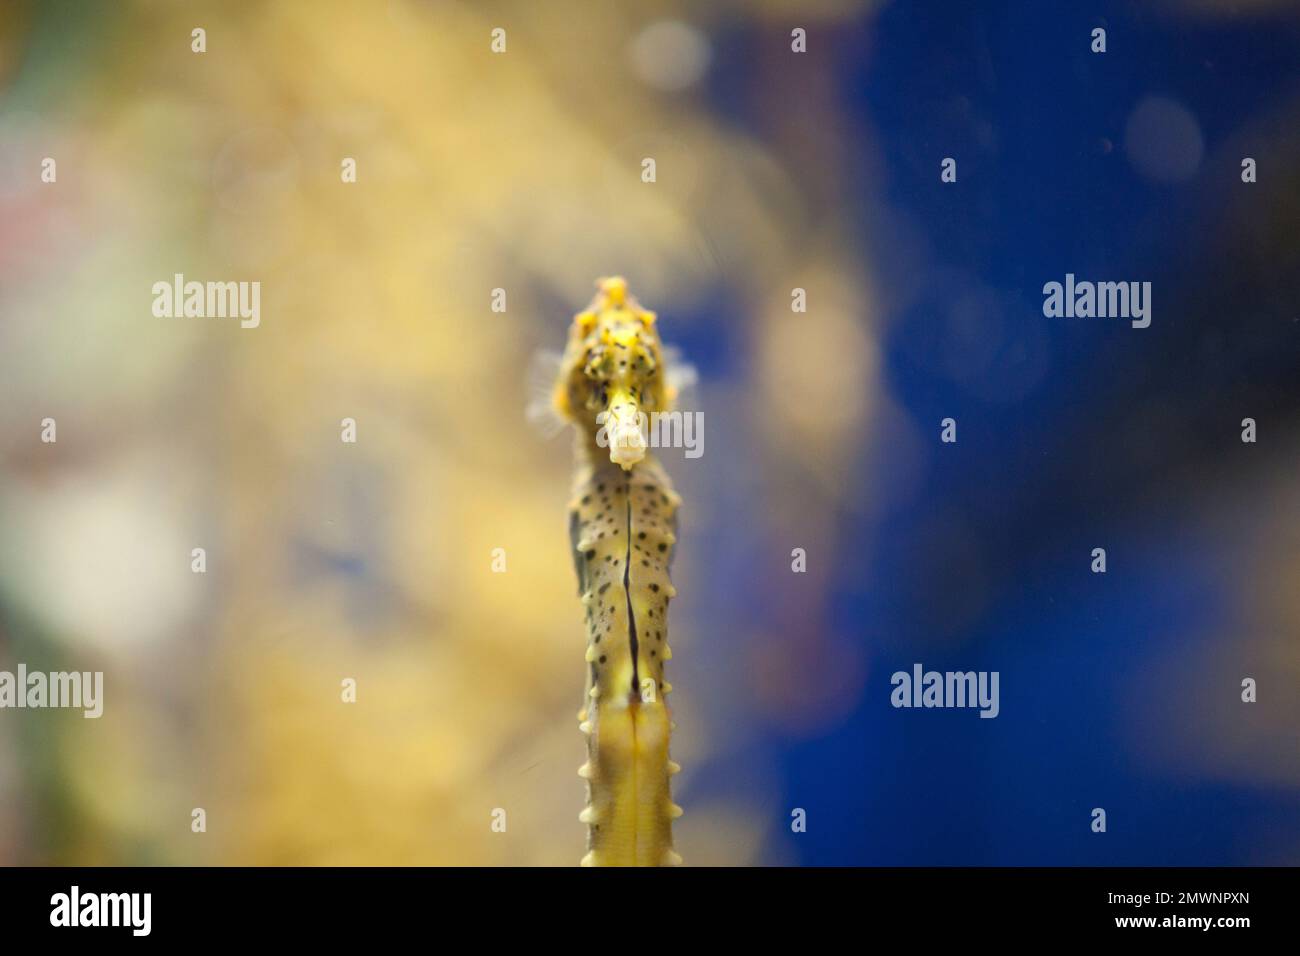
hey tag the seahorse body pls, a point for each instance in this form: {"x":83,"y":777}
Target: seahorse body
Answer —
{"x":622,"y":523}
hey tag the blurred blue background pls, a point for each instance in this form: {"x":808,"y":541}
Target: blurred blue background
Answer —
{"x":1074,"y":434}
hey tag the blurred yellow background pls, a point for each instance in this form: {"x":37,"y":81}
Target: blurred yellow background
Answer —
{"x":371,"y":560}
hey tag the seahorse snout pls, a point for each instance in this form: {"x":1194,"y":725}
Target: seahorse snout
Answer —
{"x":623,"y":431}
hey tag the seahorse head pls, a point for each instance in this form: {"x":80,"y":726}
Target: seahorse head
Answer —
{"x":612,"y":374}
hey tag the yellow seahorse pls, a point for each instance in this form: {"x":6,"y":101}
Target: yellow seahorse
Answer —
{"x":622,"y":522}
